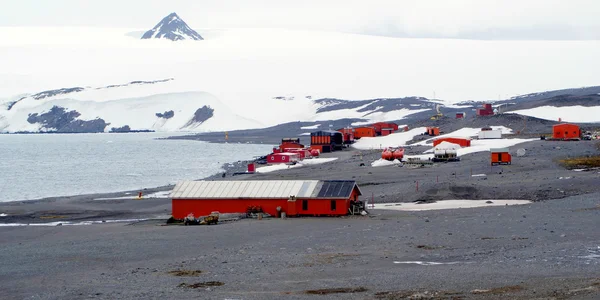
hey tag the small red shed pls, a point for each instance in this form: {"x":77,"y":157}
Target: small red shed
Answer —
{"x":461,"y":115}
{"x":282,"y":158}
{"x":463,"y":142}
{"x":500,"y":156}
{"x":294,"y":197}
{"x":566,"y":132}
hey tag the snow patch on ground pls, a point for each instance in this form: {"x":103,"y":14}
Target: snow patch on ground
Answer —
{"x":446,"y":204}
{"x":306,"y":162}
{"x":316,"y":126}
{"x":384,"y":163}
{"x":577,"y":113}
{"x":3,"y":215}
{"x":465,"y":132}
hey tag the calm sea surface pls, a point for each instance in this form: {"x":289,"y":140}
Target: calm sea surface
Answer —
{"x":34,"y":166}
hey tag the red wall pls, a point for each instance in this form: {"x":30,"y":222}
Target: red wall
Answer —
{"x":316,"y":207}
{"x":364,"y":132}
{"x":278,"y":158}
{"x":183,"y":207}
{"x":566,"y":131}
{"x":459,"y":141}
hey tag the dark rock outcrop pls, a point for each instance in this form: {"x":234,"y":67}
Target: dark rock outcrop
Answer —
{"x":166,"y":115}
{"x":173,"y":28}
{"x":125,"y":128}
{"x":51,"y":93}
{"x":201,"y":115}
{"x":58,"y":119}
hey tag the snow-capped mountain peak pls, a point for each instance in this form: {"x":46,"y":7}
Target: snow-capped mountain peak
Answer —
{"x":173,"y":28}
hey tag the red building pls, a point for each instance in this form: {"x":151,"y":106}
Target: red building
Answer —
{"x":463,"y":142}
{"x":282,"y":158}
{"x":433,"y":131}
{"x":384,"y":128}
{"x":487,"y":110}
{"x":302,"y":153}
{"x":310,"y":197}
{"x":326,"y":140}
{"x":360,"y":132}
{"x":461,"y":115}
{"x":566,"y":132}
{"x":290,"y":143}
{"x":348,"y":134}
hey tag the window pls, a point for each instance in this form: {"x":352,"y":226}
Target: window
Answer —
{"x":304,"y":204}
{"x":333,"y":205}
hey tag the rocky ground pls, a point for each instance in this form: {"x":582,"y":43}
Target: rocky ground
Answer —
{"x":548,"y":249}
{"x":544,"y":250}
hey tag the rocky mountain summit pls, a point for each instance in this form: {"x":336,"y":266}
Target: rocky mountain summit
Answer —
{"x":173,"y":28}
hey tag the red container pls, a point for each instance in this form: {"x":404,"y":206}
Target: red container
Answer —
{"x":566,"y":132}
{"x":251,"y":168}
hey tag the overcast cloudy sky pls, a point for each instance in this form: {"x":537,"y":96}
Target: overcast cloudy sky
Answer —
{"x":484,"y":19}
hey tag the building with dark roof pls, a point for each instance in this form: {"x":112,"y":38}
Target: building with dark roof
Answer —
{"x":294,"y":197}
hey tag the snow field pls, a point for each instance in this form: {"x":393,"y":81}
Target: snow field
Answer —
{"x":306,"y":162}
{"x":446,"y":204}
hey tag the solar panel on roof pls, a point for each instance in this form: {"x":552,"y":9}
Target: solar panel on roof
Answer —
{"x":336,"y":189}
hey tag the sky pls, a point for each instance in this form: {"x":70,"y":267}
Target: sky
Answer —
{"x":476,"y":19}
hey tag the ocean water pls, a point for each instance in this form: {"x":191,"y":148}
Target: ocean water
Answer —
{"x":34,"y":166}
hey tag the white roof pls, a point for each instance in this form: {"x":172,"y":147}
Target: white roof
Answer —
{"x":276,"y":189}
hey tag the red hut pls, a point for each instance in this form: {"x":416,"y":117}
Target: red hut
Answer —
{"x":463,"y":142}
{"x":500,"y":156}
{"x":566,"y":132}
{"x":294,"y":197}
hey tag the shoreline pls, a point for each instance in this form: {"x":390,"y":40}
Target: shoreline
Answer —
{"x":534,"y":177}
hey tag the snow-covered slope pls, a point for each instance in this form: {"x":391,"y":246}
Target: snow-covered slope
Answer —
{"x":170,"y":112}
{"x":156,"y":105}
{"x":576,"y":113}
{"x":272,"y":76}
